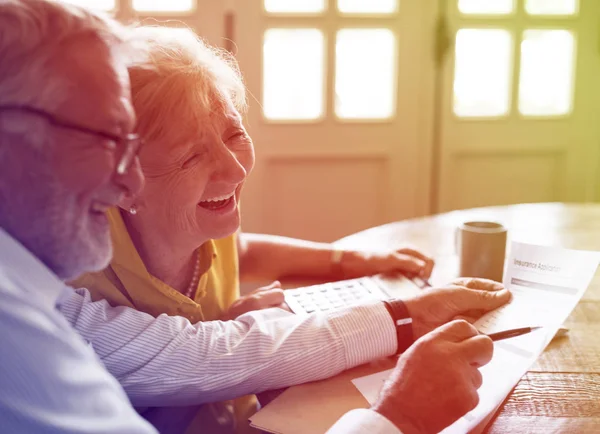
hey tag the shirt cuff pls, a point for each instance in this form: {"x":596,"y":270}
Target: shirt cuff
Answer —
{"x":363,"y":421}
{"x":367,"y":333}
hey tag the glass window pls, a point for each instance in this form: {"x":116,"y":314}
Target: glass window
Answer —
{"x":367,"y":7}
{"x":486,"y":7}
{"x":551,"y":7}
{"x":163,"y":5}
{"x":294,"y":6}
{"x":546,"y":77}
{"x":482,"y":74}
{"x":293,"y":73}
{"x":365,"y":73}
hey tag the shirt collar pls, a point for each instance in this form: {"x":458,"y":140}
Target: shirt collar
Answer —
{"x":125,"y":253}
{"x":28,"y":271}
{"x":131,"y":270}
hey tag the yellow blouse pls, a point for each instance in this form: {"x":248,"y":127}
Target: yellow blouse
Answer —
{"x":126,"y":282}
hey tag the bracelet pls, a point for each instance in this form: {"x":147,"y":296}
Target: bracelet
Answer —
{"x":402,"y":322}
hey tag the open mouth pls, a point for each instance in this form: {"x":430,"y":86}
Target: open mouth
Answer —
{"x":219,"y":202}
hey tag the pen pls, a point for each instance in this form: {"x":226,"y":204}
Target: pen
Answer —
{"x":511,"y":333}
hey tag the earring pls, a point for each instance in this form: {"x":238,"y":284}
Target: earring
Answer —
{"x":133,"y":210}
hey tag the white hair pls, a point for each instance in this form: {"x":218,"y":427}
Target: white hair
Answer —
{"x":32,"y":32}
{"x":182,"y":82}
{"x":37,"y":209}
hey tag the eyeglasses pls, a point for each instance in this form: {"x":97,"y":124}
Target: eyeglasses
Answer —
{"x":131,"y":143}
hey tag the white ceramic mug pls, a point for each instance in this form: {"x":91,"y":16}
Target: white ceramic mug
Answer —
{"x":481,"y":247}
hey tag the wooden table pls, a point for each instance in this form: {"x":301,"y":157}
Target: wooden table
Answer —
{"x":561,"y":393}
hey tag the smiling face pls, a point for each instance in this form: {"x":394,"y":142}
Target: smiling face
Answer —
{"x":188,"y":98}
{"x":66,"y":178}
{"x":193,"y":187}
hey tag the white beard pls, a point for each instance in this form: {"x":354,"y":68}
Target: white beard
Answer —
{"x":50,"y":223}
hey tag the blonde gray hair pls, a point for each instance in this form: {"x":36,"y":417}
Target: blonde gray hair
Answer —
{"x":32,"y":32}
{"x":183,"y":83}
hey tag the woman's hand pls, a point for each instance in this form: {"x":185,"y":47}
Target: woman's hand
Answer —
{"x":261,"y":298}
{"x":406,"y":261}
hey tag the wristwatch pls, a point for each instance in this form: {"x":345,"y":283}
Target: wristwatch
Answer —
{"x":403,"y":323}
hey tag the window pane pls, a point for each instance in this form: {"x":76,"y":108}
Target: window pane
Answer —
{"x":546,"y":79}
{"x":163,"y":5}
{"x":365,"y":73}
{"x":486,"y":7}
{"x":482,"y":72}
{"x":551,"y":7}
{"x":368,"y":7}
{"x":105,"y":5}
{"x":293,"y":73}
{"x":291,"y":6}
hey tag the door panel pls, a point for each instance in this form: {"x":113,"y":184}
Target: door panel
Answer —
{"x":518,"y":103}
{"x":340,"y":98}
{"x":332,"y":182}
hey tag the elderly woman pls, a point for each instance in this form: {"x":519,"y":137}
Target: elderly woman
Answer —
{"x":177,"y":249}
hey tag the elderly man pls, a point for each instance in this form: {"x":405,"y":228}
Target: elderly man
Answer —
{"x":67,"y":153}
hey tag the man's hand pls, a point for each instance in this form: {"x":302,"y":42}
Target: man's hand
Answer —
{"x":406,"y":260}
{"x":462,"y":298}
{"x":435,"y":381}
{"x":261,"y":298}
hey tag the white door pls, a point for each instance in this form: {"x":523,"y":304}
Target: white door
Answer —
{"x":520,"y":110}
{"x":339,"y":89}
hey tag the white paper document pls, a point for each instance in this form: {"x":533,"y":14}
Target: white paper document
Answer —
{"x":546,"y":284}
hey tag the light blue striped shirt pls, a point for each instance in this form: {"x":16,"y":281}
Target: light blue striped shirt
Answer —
{"x":52,"y":381}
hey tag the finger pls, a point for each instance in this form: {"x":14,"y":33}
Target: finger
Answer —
{"x":457,"y":331}
{"x":272,"y":285}
{"x":473,"y":313}
{"x":270,"y":298}
{"x":477,"y":283}
{"x":406,"y":263}
{"x":429,"y":262}
{"x":476,"y":377}
{"x":472,"y":401}
{"x":474,"y":299}
{"x":285,"y":306}
{"x":477,"y":350}
{"x":467,"y":318}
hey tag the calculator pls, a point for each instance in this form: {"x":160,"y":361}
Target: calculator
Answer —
{"x":327,"y":297}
